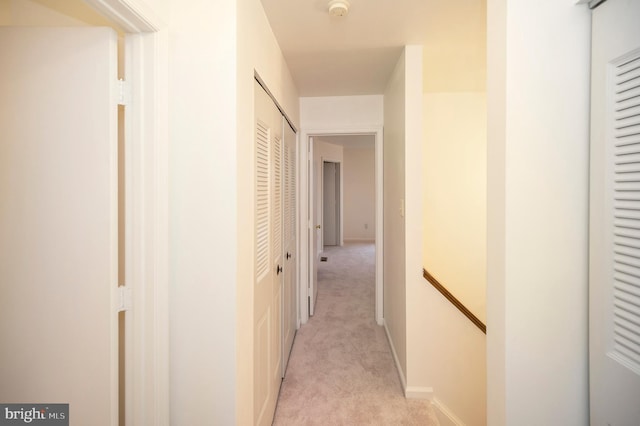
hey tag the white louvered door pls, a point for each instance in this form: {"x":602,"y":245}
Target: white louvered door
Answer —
{"x":268,"y":257}
{"x":290,"y":294}
{"x":614,"y":305}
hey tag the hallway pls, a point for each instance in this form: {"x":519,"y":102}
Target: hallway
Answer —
{"x":341,"y":369}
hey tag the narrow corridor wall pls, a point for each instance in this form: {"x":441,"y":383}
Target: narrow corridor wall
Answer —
{"x":395,"y":293}
{"x":538,"y":178}
{"x":202,"y":237}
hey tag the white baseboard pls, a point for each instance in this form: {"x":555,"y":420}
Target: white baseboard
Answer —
{"x":415,"y":392}
{"x":445,"y":415}
{"x":403,"y":380}
{"x":359,"y":240}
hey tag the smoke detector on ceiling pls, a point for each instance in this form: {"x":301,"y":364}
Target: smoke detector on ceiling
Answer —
{"x":338,"y":7}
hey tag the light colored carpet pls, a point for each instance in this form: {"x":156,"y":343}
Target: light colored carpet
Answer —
{"x":341,"y":370}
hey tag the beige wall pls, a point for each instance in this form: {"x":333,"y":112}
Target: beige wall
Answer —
{"x":395,"y":314}
{"x":359,"y":193}
{"x":341,"y":112}
{"x":455,"y":205}
{"x":327,"y":151}
{"x":5,"y":12}
{"x":458,"y":64}
{"x":538,"y":141}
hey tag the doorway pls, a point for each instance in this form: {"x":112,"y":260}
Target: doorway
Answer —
{"x":309,"y":237}
{"x":131,"y":225}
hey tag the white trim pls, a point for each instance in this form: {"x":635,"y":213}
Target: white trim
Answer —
{"x":403,"y":380}
{"x":446,"y":417}
{"x":305,"y":156}
{"x":301,"y":228}
{"x":130,"y":15}
{"x":591,"y":3}
{"x":379,"y":172}
{"x":416,"y":392}
{"x":146,"y":44}
{"x":359,"y":240}
{"x":149,"y":182}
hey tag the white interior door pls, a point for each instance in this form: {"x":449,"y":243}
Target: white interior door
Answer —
{"x":329,"y":220}
{"x":315,"y":218}
{"x":268,"y":258}
{"x":614,"y":300}
{"x":58,"y":219}
{"x":290,"y":294}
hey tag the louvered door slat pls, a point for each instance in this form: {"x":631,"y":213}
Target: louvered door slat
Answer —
{"x":293,"y":221}
{"x":626,"y":66}
{"x":627,"y":223}
{"x":627,"y":286}
{"x":628,"y":148}
{"x":624,"y":251}
{"x":626,"y":122}
{"x":287,"y":195}
{"x":628,"y":112}
{"x":262,"y":199}
{"x":628,"y":156}
{"x":625,"y":168}
{"x":626,"y":214}
{"x":277,"y":197}
{"x":628,"y":78}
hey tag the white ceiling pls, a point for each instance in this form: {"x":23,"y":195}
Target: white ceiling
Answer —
{"x":355,"y":55}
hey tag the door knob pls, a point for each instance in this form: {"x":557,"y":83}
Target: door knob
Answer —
{"x":317,"y":226}
{"x":288,"y":255}
{"x":278,"y":270}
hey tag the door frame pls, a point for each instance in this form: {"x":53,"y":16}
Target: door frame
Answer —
{"x":146,"y":186}
{"x":305,"y":224}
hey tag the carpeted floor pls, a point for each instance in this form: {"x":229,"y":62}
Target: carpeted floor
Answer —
{"x":341,"y":370}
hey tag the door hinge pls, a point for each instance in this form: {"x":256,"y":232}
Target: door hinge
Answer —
{"x":124,"y":299}
{"x":124,"y":92}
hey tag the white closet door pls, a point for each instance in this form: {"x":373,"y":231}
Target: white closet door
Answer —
{"x":268,"y":257}
{"x":614,"y":300}
{"x":290,"y":295}
{"x":58,"y":220}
